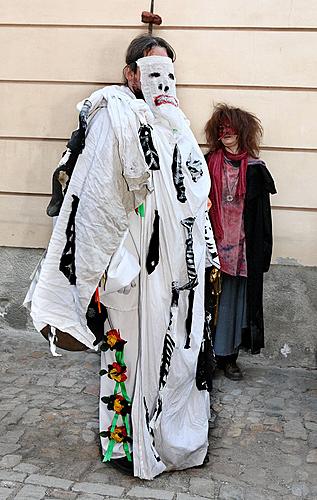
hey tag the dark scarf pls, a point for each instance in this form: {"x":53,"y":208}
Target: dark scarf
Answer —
{"x":215,"y":165}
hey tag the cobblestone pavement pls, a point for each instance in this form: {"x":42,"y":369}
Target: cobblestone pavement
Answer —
{"x":263,"y":437}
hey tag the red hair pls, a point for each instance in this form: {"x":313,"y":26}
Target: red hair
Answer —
{"x":247,"y":125}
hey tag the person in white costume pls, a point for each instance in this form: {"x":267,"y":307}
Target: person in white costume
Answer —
{"x":133,"y":233}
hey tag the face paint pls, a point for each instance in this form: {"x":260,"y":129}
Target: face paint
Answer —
{"x":225,"y":128}
{"x":158,"y":86}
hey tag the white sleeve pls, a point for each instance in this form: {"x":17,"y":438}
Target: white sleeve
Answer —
{"x":99,"y":224}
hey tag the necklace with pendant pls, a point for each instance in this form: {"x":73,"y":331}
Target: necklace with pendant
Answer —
{"x":231,"y":192}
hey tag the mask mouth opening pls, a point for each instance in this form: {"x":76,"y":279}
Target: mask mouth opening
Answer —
{"x":165,"y":99}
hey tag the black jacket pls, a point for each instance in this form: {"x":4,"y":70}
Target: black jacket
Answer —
{"x":259,"y":242}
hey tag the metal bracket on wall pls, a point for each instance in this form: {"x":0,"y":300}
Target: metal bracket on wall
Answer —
{"x":150,"y":18}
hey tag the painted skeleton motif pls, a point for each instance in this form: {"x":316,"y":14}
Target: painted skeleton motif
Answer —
{"x":150,"y":352}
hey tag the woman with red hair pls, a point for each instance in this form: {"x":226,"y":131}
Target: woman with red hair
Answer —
{"x":240,"y":214}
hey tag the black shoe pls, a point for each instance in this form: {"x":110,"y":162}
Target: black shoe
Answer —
{"x":232,"y":371}
{"x":122,"y":464}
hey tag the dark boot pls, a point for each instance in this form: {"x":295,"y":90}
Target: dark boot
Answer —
{"x":229,"y":365}
{"x":232,"y":371}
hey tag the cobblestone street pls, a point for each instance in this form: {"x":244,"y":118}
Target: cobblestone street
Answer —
{"x":263,"y":436}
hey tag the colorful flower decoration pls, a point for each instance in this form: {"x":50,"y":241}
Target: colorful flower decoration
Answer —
{"x":117,"y":372}
{"x":118,"y":404}
{"x":119,"y":434}
{"x":113,"y":341}
{"x":119,"y":401}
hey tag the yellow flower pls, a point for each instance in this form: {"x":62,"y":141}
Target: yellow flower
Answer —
{"x":111,"y":340}
{"x":117,"y":406}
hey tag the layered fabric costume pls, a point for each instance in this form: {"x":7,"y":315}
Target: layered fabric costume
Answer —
{"x":133,"y":232}
{"x":241,"y":218}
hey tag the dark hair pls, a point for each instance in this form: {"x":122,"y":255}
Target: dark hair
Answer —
{"x":142,"y":44}
{"x":247,"y":125}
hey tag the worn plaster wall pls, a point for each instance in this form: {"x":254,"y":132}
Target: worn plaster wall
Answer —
{"x":259,"y":54}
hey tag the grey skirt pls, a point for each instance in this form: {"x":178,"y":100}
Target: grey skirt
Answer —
{"x":232,"y":317}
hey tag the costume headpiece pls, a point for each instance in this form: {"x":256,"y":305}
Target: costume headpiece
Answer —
{"x":158,"y":85}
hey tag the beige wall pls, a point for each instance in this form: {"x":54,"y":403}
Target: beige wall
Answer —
{"x":259,"y":54}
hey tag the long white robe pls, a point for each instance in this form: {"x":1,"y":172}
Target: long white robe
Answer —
{"x":169,"y":414}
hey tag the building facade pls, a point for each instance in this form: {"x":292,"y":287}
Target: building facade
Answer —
{"x":259,"y":54}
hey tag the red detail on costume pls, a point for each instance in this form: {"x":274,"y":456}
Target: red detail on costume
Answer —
{"x":117,"y":372}
{"x":97,"y":299}
{"x":119,"y":434}
{"x":165,"y":99}
{"x":114,"y":341}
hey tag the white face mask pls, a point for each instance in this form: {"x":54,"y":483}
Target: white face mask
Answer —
{"x":158,"y":86}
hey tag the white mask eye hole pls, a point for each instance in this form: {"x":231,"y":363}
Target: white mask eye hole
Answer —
{"x":154,"y":75}
{"x":171,"y":76}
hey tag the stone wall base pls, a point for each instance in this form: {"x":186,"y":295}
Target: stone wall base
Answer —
{"x":290,"y":306}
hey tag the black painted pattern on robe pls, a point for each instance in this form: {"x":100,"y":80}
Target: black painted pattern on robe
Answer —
{"x":167,"y":352}
{"x":153,"y":255}
{"x":150,"y":430}
{"x":192,"y":275}
{"x":149,"y":151}
{"x":188,"y":224}
{"x":189,"y":319}
{"x":169,"y":343}
{"x":67,"y":263}
{"x":206,"y":363}
{"x":63,"y":172}
{"x":147,"y":416}
{"x":194,"y":167}
{"x":175,"y":296}
{"x":96,"y":320}
{"x":210,"y":243}
{"x":158,"y":408}
{"x":178,"y":176}
{"x":60,"y":182}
